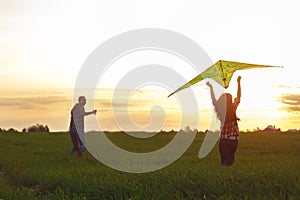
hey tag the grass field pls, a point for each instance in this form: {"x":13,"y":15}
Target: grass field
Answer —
{"x":38,"y":166}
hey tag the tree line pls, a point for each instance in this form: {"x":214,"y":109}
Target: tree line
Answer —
{"x":33,"y":128}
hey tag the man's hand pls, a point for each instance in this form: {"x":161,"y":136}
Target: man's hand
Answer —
{"x":94,"y":111}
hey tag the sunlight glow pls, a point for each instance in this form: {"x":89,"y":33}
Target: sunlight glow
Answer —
{"x":44,"y":44}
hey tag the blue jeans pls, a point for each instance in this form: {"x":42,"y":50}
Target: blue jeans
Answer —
{"x":77,"y":143}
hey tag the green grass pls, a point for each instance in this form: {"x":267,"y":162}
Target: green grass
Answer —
{"x":38,"y":166}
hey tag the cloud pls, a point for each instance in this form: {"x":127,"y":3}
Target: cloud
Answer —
{"x":32,"y":103}
{"x":291,"y":102}
{"x":287,"y":86}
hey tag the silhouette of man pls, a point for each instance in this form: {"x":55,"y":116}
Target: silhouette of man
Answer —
{"x":77,"y":126}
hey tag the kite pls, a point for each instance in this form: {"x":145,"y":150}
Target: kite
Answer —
{"x":221,"y":72}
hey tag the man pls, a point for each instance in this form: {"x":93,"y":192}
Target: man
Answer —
{"x":77,"y":125}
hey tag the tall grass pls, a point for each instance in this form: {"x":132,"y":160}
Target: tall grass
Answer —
{"x":39,"y":166}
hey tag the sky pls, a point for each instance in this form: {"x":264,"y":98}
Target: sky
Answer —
{"x":43,"y":45}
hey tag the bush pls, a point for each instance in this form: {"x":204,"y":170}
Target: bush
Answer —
{"x":12,"y":130}
{"x":38,"y":128}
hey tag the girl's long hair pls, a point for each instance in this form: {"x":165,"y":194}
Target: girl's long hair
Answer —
{"x":224,"y":108}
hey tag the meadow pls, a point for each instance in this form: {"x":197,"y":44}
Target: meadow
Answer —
{"x":39,"y":166}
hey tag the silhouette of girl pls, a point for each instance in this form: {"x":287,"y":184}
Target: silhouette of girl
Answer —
{"x":226,"y":113}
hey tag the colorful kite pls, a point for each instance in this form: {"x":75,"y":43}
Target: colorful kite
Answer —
{"x":221,"y":72}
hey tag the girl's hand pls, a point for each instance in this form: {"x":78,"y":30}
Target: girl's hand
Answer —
{"x":208,"y":84}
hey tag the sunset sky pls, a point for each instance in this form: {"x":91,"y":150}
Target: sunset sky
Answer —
{"x":43,"y":45}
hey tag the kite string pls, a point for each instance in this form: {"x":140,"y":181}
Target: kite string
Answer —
{"x":201,"y":84}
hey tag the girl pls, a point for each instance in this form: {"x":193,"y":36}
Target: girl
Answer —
{"x":226,"y":113}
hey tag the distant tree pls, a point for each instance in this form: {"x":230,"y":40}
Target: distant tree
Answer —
{"x":24,"y":130}
{"x":12,"y":130}
{"x":1,"y":130}
{"x":172,"y":131}
{"x":257,"y":129}
{"x":271,"y":128}
{"x":32,"y":128}
{"x":38,"y":128}
{"x":47,"y":129}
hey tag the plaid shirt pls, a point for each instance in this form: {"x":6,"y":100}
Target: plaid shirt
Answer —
{"x":231,"y":129}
